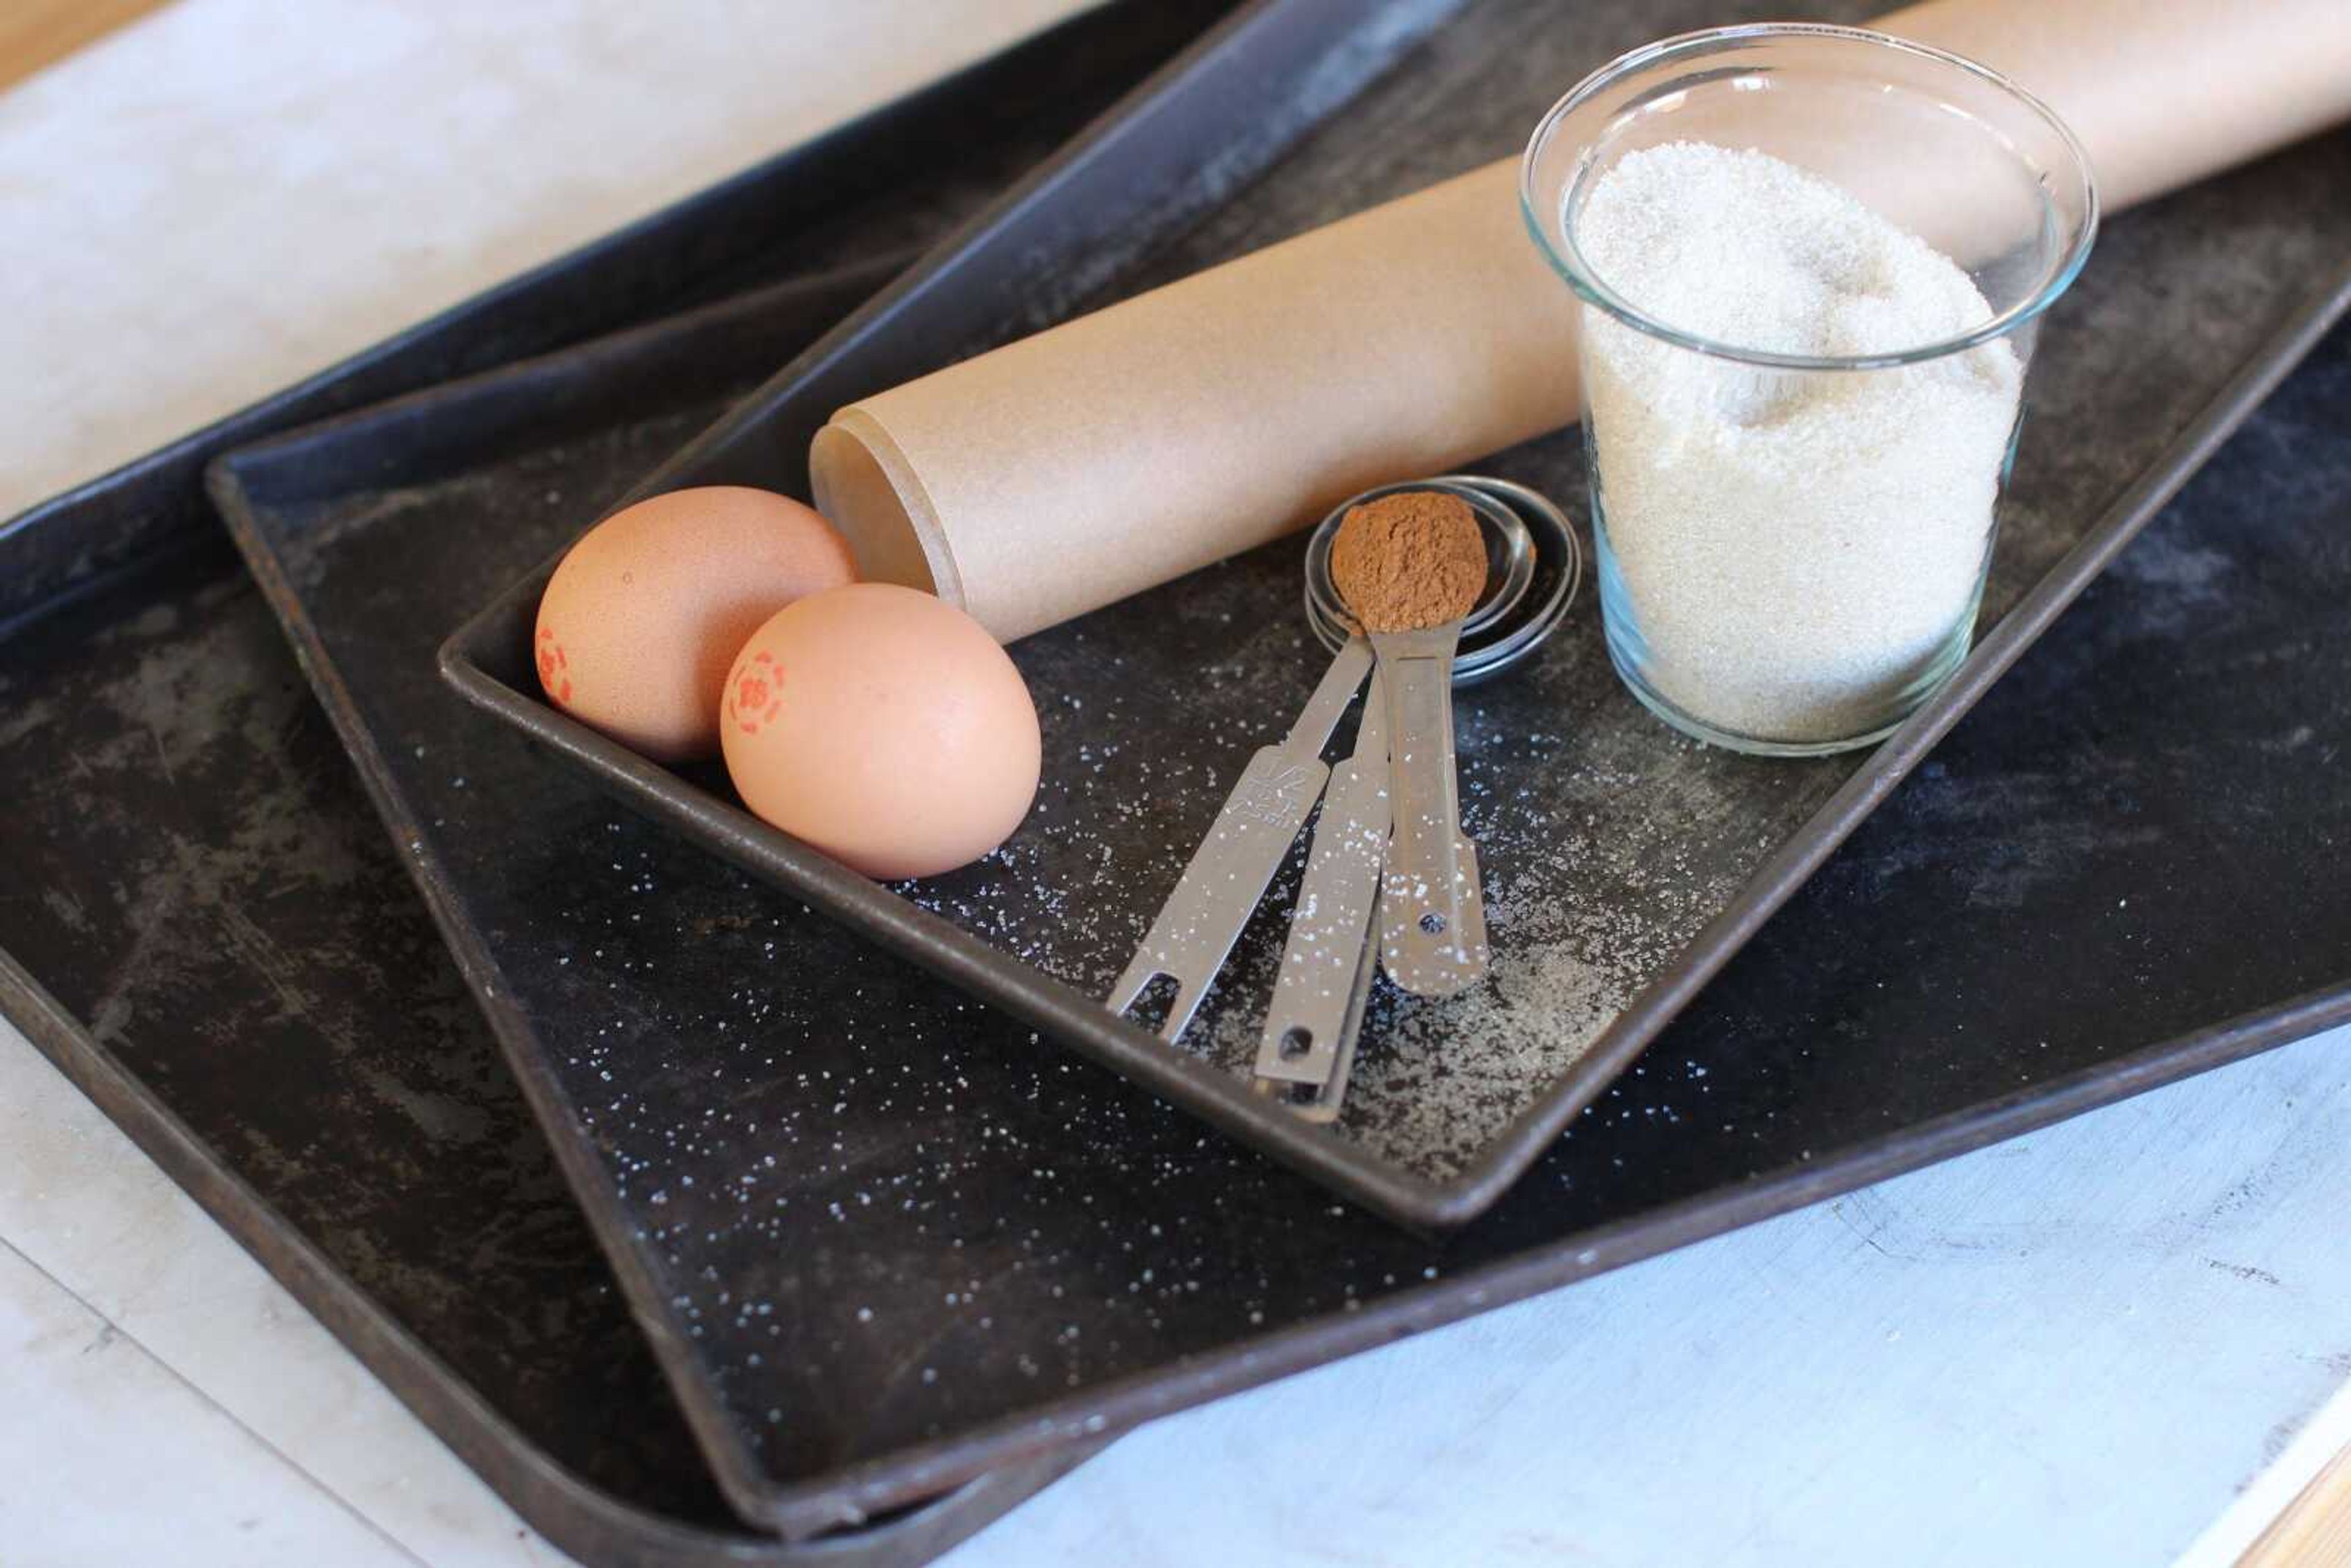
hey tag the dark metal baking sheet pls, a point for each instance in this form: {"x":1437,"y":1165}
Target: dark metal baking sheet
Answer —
{"x":983,"y":1249}
{"x":1624,"y":864}
{"x":208,"y":932}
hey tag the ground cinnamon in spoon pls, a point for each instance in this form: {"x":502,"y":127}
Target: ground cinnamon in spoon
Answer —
{"x":1409,"y":560}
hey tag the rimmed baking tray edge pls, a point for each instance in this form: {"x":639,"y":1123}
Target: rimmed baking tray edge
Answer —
{"x":1082,"y":1021}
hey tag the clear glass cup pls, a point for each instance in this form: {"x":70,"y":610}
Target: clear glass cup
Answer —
{"x":1793,"y":535}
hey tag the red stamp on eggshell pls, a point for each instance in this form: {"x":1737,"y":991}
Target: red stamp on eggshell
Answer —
{"x":554,"y":669}
{"x":756,"y":693}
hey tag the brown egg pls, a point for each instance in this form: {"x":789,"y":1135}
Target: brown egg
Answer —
{"x":641,"y":619}
{"x":884,"y":726}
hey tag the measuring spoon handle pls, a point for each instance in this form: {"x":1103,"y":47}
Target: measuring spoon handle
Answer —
{"x":1433,"y":926}
{"x":1219,"y":890}
{"x":1331,"y":929}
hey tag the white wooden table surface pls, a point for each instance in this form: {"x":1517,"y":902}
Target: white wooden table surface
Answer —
{"x":2121,"y":1341}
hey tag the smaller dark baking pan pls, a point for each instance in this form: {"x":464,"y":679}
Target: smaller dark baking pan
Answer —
{"x":490,"y":661}
{"x":1691,"y":850}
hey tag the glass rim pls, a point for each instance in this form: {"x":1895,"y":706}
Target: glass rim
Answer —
{"x":1568,"y":261}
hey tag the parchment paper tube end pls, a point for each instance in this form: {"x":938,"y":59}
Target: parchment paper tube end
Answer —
{"x":867,"y":489}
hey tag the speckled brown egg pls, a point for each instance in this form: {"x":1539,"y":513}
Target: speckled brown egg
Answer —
{"x":885,"y":727}
{"x":641,"y":620}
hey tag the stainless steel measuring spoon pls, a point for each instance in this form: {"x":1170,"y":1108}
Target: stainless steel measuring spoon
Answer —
{"x":1196,"y":929}
{"x":1306,"y":1054}
{"x":1330,"y":960}
{"x":1432,"y":910}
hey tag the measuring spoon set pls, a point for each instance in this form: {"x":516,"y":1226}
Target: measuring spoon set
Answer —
{"x":1391,"y":880}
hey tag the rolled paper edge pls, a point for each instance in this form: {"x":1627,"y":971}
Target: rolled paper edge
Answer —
{"x":865,"y":487}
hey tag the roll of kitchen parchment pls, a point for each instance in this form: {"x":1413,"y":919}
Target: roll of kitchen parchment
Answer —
{"x":1109,"y":455}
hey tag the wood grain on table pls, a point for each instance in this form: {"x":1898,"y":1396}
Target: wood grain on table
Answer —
{"x":2314,"y":1531}
{"x":35,"y":33}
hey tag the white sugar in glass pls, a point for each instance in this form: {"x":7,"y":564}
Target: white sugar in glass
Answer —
{"x":1809,"y":262}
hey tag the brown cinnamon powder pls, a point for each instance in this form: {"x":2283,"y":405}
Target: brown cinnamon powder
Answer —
{"x":1409,"y":560}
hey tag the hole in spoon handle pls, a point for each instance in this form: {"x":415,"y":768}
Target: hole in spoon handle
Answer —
{"x":1432,"y":927}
